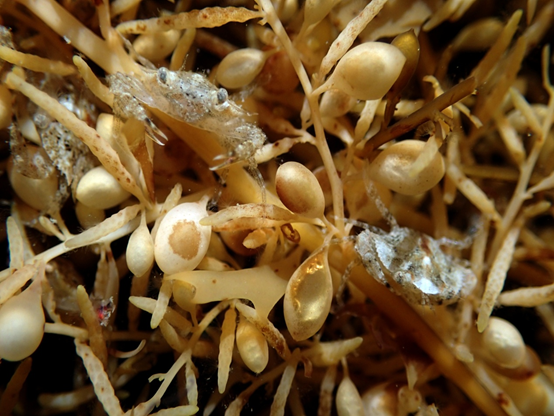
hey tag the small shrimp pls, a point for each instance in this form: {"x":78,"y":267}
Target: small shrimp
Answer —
{"x":189,"y":97}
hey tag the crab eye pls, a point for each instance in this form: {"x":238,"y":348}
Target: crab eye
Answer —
{"x":222,"y":95}
{"x":162,"y":75}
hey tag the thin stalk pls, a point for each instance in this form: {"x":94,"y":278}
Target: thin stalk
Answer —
{"x":520,"y":194}
{"x":321,"y":143}
{"x":404,"y":317}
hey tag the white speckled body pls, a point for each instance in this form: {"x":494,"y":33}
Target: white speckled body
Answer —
{"x":189,"y":97}
{"x":423,"y":272}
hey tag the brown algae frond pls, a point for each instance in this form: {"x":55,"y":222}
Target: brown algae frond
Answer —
{"x":286,"y":207}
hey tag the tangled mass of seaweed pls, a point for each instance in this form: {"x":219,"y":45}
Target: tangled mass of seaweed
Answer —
{"x":277,"y":207}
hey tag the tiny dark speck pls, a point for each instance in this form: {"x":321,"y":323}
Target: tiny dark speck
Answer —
{"x":163,"y":75}
{"x":502,"y":399}
{"x":222,"y":95}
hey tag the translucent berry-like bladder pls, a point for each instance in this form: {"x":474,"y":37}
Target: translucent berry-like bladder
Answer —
{"x":22,"y":324}
{"x":308,"y":297}
{"x":181,"y":241}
